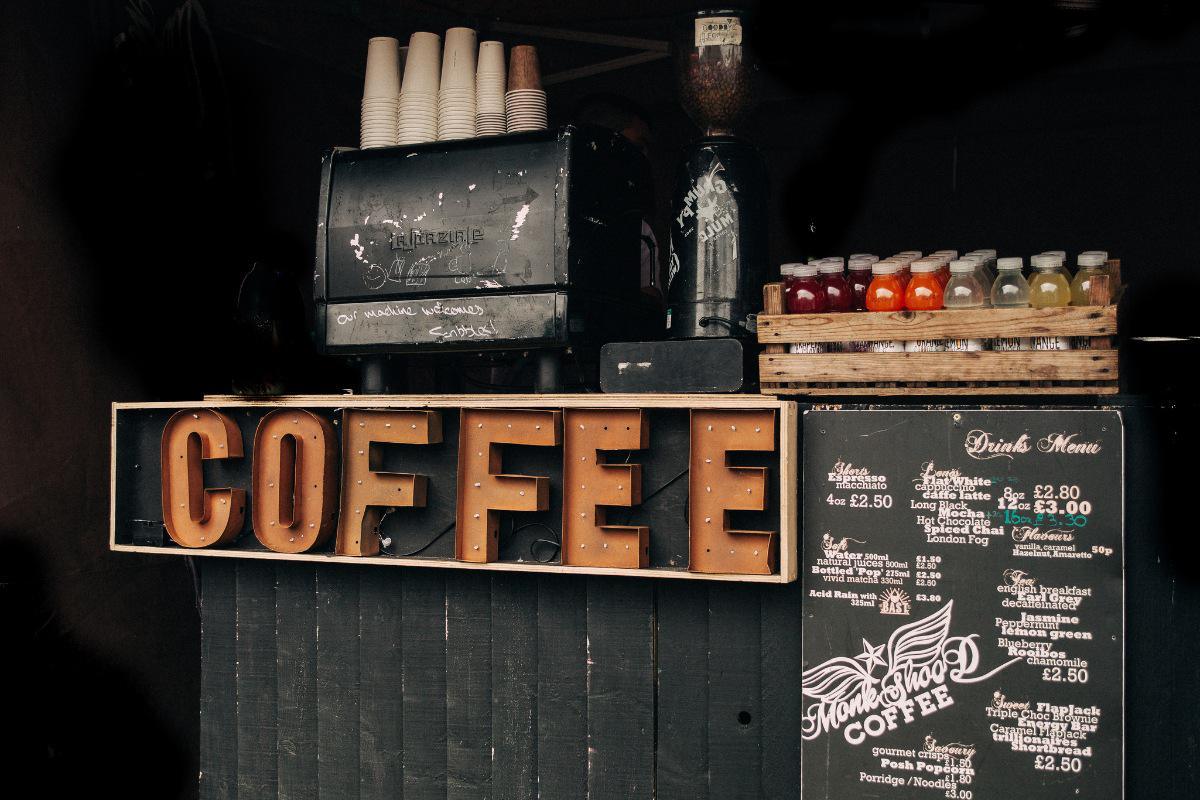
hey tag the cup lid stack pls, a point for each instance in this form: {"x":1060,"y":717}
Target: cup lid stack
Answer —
{"x":418,"y":108}
{"x":525,"y":100}
{"x":381,"y":90}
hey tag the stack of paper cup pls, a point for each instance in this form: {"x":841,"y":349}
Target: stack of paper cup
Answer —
{"x":524,"y":102}
{"x":418,"y":117}
{"x":456,"y":98}
{"x":381,"y":90}
{"x":489,"y":90}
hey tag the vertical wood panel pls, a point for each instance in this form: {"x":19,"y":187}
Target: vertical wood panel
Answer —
{"x":381,"y":696}
{"x":468,"y":687}
{"x":296,"y":676}
{"x":781,"y":697}
{"x":257,"y":696}
{"x":734,"y":692}
{"x":423,"y":653}
{"x":218,"y":680}
{"x":514,"y":686}
{"x":620,"y":627}
{"x":682,"y":758}
{"x":337,"y":682}
{"x":562,"y":686}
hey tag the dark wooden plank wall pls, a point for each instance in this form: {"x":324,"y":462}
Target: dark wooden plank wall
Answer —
{"x":359,"y":682}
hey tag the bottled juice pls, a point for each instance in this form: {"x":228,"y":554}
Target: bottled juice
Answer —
{"x":964,"y":291}
{"x":1091,"y":267}
{"x":787,"y":276}
{"x":924,"y":291}
{"x":839,"y":296}
{"x":805,"y":296}
{"x":1060,"y":258}
{"x":859,"y":280}
{"x":1010,"y":290}
{"x":1112,"y":284}
{"x":989,"y":267}
{"x":1048,"y":289}
{"x":885,"y":293}
{"x":1089,"y":288}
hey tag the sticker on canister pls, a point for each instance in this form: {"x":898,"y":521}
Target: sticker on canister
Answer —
{"x":887,"y":347}
{"x":718,"y":30}
{"x":925,"y":346}
{"x":963,"y":345}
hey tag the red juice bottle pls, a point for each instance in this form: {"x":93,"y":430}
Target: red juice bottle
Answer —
{"x":839,"y":296}
{"x":805,"y":295}
{"x":859,"y":280}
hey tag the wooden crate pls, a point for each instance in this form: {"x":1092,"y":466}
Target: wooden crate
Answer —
{"x":1065,"y":372}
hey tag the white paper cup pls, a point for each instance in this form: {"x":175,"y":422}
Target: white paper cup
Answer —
{"x":382,"y":77}
{"x":423,"y":67}
{"x":458,"y":59}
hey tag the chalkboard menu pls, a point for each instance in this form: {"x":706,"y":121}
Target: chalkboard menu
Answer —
{"x":963,"y":604}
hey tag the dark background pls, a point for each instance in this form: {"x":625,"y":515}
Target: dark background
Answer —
{"x":153,"y":151}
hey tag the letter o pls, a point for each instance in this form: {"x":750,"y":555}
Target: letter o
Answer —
{"x":874,"y":725}
{"x":294,"y":480}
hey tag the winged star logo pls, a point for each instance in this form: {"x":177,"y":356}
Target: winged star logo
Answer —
{"x":891,"y":684}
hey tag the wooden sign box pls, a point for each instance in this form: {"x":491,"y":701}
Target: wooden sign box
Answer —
{"x":530,"y":537}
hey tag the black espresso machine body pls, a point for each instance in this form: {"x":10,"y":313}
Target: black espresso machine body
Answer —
{"x":525,"y":241}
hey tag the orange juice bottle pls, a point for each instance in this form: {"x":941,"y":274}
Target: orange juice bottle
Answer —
{"x":885,"y":293}
{"x":924,"y":291}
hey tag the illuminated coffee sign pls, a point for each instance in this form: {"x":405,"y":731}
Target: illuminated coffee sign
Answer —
{"x":690,"y":486}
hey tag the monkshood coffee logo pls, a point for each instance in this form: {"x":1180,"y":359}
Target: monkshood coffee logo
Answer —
{"x":982,"y":445}
{"x":891,"y":685}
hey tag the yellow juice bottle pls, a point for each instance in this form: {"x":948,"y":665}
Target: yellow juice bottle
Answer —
{"x":1048,"y":289}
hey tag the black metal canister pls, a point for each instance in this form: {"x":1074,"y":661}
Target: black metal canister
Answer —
{"x":718,"y":261}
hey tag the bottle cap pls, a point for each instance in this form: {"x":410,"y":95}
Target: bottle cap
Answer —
{"x":1012,"y":262}
{"x":963,"y":265}
{"x":1102,"y":253}
{"x":1044,"y":263}
{"x":860,"y":263}
{"x":831,"y":266}
{"x":884,"y":268}
{"x":788,"y":269}
{"x":911,"y":255}
{"x":1061,"y":255}
{"x":805,"y":270}
{"x":926,"y":265}
{"x":868,"y":256}
{"x":976,"y":257}
{"x":949,"y":254}
{"x":986,"y":253}
{"x":1091,"y":260}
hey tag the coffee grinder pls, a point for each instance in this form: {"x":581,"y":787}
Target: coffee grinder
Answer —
{"x":718,"y":261}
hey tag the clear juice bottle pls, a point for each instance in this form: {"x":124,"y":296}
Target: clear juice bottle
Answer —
{"x":1048,"y":289}
{"x":1010,"y":290}
{"x":964,"y":291}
